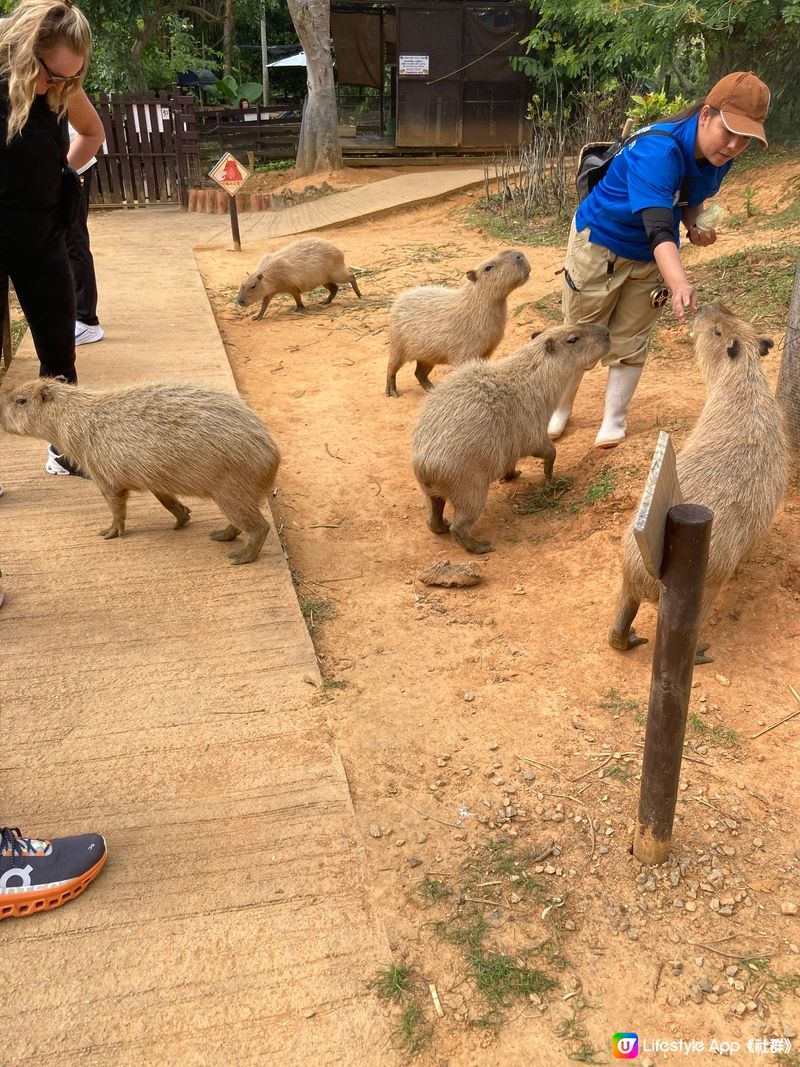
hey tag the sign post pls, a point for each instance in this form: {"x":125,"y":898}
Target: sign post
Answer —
{"x":229,"y":173}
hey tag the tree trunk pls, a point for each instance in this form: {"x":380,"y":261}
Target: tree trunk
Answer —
{"x":264,"y":57}
{"x":319,"y":147}
{"x":788,"y":391}
{"x":227,"y":40}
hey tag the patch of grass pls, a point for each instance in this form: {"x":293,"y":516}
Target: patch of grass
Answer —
{"x":619,"y":772}
{"x":756,"y":281}
{"x":550,"y":306}
{"x":334,"y":683}
{"x":512,"y":226}
{"x":19,"y":328}
{"x":773,"y":986}
{"x":414,"y":1032}
{"x":316,"y":610}
{"x":501,"y":858}
{"x":433,"y":890}
{"x":274,"y":164}
{"x":500,"y":978}
{"x":545,"y":498}
{"x":602,"y":486}
{"x":464,"y":929}
{"x":586,"y":1054}
{"x":392,"y":983}
{"x":719,"y":735}
{"x":619,"y":705}
{"x":758,"y":158}
{"x":789,"y":216}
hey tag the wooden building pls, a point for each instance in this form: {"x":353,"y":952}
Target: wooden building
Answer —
{"x":452,"y":83}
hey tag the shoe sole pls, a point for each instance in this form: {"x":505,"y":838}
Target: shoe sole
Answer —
{"x":37,"y":900}
{"x":88,"y":340}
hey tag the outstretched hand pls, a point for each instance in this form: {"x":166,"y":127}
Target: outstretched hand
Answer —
{"x":684,"y":298}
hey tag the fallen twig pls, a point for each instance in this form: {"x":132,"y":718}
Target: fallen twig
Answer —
{"x":346,"y":578}
{"x":733,"y":955}
{"x":443,"y":822}
{"x":780,"y":722}
{"x":535,"y":763}
{"x":334,"y":455}
{"x":326,"y":525}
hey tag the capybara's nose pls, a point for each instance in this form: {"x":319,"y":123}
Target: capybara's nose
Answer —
{"x":240,"y":302}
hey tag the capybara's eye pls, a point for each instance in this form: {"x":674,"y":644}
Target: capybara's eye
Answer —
{"x":718,"y":332}
{"x":573,"y":339}
{"x":20,"y":400}
{"x":487,"y":269}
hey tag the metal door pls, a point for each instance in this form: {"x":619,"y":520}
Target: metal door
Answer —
{"x":428,"y":89}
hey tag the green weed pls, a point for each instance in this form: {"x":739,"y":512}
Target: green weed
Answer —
{"x":334,"y":683}
{"x":619,"y":772}
{"x":274,"y":164}
{"x":619,"y":705}
{"x":719,"y":735}
{"x":586,"y":1054}
{"x":545,"y":498}
{"x":433,"y":890}
{"x":512,"y":226}
{"x":414,"y":1032}
{"x":392,"y":983}
{"x":500,"y":978}
{"x":316,"y":610}
{"x":757,"y":281}
{"x":602,"y":486}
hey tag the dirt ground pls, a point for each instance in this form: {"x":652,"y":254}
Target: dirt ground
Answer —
{"x":492,"y":739}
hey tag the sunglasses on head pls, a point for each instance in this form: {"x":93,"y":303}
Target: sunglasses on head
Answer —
{"x":59,"y":79}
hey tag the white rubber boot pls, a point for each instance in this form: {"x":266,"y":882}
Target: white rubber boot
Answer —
{"x":622,"y":382}
{"x":560,"y":417}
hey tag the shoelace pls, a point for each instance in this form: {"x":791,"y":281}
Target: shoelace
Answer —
{"x":11,"y":839}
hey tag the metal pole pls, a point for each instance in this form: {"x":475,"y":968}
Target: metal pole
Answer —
{"x":264,"y":56}
{"x":237,"y":243}
{"x":686,"y":539}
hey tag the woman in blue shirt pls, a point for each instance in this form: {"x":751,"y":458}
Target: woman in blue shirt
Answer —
{"x":624,"y":240}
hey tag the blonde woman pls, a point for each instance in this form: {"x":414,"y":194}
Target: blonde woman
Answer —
{"x":44,"y":50}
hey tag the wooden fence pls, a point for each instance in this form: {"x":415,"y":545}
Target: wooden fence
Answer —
{"x":150,"y":152}
{"x":269,"y":134}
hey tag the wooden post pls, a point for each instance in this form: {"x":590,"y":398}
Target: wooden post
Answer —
{"x":788,"y":392}
{"x":686,"y":539}
{"x":237,"y":243}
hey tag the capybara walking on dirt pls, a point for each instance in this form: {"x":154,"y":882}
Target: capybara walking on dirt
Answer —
{"x":485,"y":416}
{"x":735,"y":461}
{"x":297,"y":268}
{"x":433,"y":325}
{"x":168,"y":439}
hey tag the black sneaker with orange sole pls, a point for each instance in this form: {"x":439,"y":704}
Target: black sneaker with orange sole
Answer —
{"x":38,"y":875}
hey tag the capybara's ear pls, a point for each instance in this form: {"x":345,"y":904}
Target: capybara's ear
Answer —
{"x":260,"y":277}
{"x":733,"y":349}
{"x":535,"y":334}
{"x":473,"y":277}
{"x":45,"y":393}
{"x":764,"y":345}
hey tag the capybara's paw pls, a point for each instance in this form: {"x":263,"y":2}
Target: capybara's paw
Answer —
{"x":427,"y":385}
{"x":700,"y":654}
{"x":230,"y":533}
{"x":244,"y":555}
{"x":511,"y":475}
{"x":112,"y":532}
{"x":182,"y":518}
{"x":440,"y":527}
{"x":623,"y":642}
{"x":391,"y":390}
{"x":258,"y":316}
{"x":472,"y":544}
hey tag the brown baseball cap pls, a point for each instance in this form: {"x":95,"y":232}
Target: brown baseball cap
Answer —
{"x":743,"y":102}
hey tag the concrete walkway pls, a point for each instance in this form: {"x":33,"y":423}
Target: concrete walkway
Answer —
{"x":154,"y":693}
{"x":362,"y":202}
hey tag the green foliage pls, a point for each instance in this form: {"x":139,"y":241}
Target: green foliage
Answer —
{"x":602,"y":486}
{"x":414,"y":1032}
{"x":228,"y":89}
{"x":433,"y":890}
{"x":392,"y":983}
{"x":547,"y":497}
{"x":653,"y":106}
{"x":748,"y":195}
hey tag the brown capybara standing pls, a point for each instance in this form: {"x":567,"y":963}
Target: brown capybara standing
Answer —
{"x":735,"y":461}
{"x":297,"y":268}
{"x":434,"y":325}
{"x":485,"y":416}
{"x":168,"y":439}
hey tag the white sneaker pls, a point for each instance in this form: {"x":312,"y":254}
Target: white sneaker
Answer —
{"x":85,"y":335}
{"x":60,"y":465}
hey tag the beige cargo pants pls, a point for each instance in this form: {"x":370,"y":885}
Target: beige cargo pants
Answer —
{"x":619,"y":300}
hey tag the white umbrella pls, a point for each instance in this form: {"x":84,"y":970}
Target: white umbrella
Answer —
{"x":297,"y":60}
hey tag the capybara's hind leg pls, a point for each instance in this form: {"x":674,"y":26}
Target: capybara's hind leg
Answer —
{"x":247,"y":518}
{"x":333,"y":289}
{"x":117,"y":500}
{"x":437,"y":523}
{"x":547,"y":452}
{"x":180,"y":511}
{"x":354,"y":283}
{"x":229,"y":533}
{"x":709,"y":596}
{"x":421,"y":374}
{"x":465,"y":514}
{"x":622,"y":636}
{"x":396,"y":361}
{"x":298,"y":299}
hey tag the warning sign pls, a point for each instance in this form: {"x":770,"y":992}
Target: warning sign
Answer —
{"x":229,"y":173}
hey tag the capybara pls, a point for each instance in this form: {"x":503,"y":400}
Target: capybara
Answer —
{"x":297,"y":268}
{"x":735,"y":462}
{"x":432,"y":324}
{"x":485,"y":416}
{"x":168,"y":439}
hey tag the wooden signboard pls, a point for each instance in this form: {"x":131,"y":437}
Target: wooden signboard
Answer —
{"x":229,"y":173}
{"x":660,"y":493}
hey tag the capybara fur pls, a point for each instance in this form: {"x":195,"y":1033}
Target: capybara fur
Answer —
{"x":735,"y":462}
{"x":297,"y":268}
{"x":432,"y":324}
{"x":485,"y":416}
{"x":168,"y":439}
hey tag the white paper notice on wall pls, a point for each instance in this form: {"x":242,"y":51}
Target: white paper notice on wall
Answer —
{"x":411,"y":65}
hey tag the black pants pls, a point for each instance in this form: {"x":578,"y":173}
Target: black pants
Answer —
{"x":43,"y":284}
{"x":81,"y":261}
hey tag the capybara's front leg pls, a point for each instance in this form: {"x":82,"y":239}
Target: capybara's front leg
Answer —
{"x":547,"y":452}
{"x":354,"y":284}
{"x":180,"y":511}
{"x":709,"y":596}
{"x":228,"y":533}
{"x":333,"y":289}
{"x":117,"y":500}
{"x":509,"y":476}
{"x":421,"y":374}
{"x":622,"y":636}
{"x":298,"y":299}
{"x":264,"y":306}
{"x":437,"y":523}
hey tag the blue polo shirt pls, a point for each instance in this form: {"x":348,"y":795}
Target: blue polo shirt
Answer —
{"x":648,"y":173}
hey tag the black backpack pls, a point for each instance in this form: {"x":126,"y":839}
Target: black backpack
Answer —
{"x":595,"y":159}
